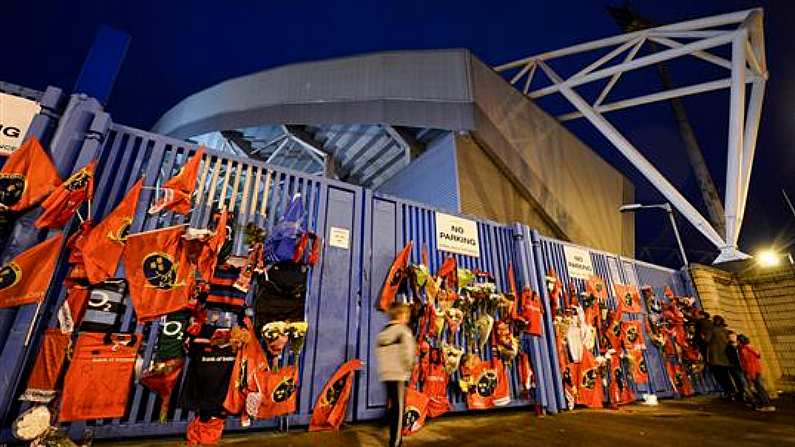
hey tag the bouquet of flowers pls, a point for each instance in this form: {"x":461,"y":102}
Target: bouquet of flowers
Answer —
{"x":297,"y":333}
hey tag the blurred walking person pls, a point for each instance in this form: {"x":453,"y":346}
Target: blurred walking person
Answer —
{"x":395,"y":352}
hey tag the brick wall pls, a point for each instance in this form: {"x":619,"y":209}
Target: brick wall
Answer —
{"x":761,"y":305}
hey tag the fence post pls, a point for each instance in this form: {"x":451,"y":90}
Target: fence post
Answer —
{"x":538,"y":255}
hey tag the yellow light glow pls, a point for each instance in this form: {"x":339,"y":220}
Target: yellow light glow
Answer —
{"x":768,"y":258}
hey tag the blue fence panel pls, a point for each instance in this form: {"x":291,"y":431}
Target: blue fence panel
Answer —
{"x":390,"y":223}
{"x":342,"y":287}
{"x":333,"y":284}
{"x":17,"y":338}
{"x":659,"y":383}
{"x":679,"y":282}
{"x":610,"y":269}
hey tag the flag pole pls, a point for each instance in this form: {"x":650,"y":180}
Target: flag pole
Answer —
{"x":33,"y":323}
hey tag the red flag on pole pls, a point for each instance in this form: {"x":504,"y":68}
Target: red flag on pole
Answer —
{"x":27,"y":177}
{"x":449,"y":273}
{"x":25,"y":279}
{"x":177,"y":190}
{"x":158,"y":271}
{"x":64,"y":201}
{"x":397,"y":273}
{"x":104,"y":245}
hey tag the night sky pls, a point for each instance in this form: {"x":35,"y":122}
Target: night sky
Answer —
{"x":179,"y":48}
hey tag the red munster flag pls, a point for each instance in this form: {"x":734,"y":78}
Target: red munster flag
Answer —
{"x":415,"y":411}
{"x":27,"y":177}
{"x":589,"y":382}
{"x":158,"y":271}
{"x":64,"y":201}
{"x":628,"y":298}
{"x":397,"y":273}
{"x":25,"y":279}
{"x":177,"y":190}
{"x":208,"y":256}
{"x":103,"y":246}
{"x":330,"y":407}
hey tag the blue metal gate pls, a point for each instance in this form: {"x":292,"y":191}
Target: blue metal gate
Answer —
{"x":391,"y":223}
{"x":342,"y":287}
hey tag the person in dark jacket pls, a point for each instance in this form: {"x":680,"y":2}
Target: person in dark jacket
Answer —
{"x":717,"y":340}
{"x":736,"y":369}
{"x":703,"y":329}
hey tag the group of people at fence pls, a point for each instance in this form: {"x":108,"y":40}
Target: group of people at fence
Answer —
{"x":471,"y":339}
{"x":230,"y":330}
{"x":733,"y":360}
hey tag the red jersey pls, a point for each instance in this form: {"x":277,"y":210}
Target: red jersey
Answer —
{"x":532,"y":312}
{"x":204,"y":433}
{"x":97,"y":383}
{"x":435,"y":385}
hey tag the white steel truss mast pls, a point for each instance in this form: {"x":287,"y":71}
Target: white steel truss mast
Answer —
{"x":742,"y":30}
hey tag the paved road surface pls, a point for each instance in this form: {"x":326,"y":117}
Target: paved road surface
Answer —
{"x":696,"y":422}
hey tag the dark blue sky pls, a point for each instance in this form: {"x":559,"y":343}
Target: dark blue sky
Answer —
{"x":180,"y":47}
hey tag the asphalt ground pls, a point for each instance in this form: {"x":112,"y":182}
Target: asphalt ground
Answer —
{"x":699,"y":421}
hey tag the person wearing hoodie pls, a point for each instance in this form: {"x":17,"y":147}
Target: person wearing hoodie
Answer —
{"x":751,"y":362}
{"x":396,"y":353}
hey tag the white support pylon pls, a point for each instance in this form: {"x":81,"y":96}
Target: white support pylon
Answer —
{"x":747,"y":65}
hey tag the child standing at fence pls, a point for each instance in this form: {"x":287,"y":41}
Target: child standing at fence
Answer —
{"x":751,"y":361}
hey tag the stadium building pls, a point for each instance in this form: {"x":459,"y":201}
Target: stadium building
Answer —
{"x":439,"y":127}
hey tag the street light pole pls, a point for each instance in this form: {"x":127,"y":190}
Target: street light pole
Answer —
{"x":789,"y":202}
{"x":667,"y":208}
{"x":676,"y":233}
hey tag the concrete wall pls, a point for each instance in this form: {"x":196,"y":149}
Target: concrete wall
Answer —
{"x":579,"y":192}
{"x":431,"y":178}
{"x":761,"y":305}
{"x":486,"y":192}
{"x":574,"y":192}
